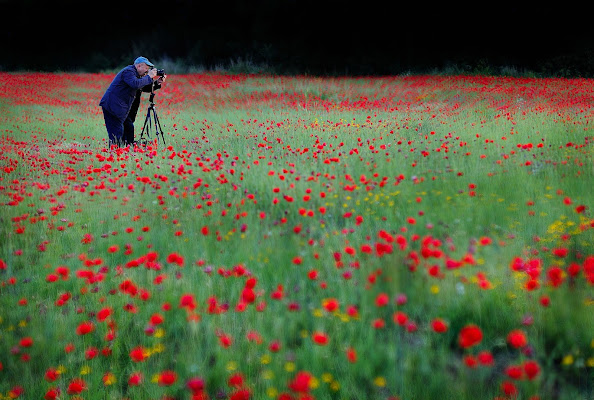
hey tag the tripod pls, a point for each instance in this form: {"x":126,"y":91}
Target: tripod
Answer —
{"x":151,"y":123}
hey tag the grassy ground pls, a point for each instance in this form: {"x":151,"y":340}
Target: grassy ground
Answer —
{"x":348,"y":238}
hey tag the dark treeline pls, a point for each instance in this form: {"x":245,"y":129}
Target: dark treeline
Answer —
{"x":297,"y":36}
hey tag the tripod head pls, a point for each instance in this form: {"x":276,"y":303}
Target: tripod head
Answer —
{"x":152,"y":96}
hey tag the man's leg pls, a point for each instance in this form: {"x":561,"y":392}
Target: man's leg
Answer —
{"x":128,"y":131}
{"x":115,"y":128}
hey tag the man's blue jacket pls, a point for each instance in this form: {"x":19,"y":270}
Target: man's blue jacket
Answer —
{"x":118,"y":98}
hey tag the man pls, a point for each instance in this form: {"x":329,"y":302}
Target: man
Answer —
{"x":121,"y":100}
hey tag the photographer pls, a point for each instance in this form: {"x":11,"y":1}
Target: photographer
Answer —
{"x":121,"y":100}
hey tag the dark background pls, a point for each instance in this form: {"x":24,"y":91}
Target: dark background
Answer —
{"x":300,"y":36}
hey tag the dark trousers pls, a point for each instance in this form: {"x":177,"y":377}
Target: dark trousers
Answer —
{"x":119,"y":132}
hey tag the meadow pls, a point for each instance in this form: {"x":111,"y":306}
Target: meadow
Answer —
{"x":299,"y":237}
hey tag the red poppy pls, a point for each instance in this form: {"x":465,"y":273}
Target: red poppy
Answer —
{"x":531,"y":284}
{"x":52,"y":393}
{"x":439,"y":325}
{"x":470,"y":361}
{"x":330,"y":305}
{"x":351,"y":354}
{"x":15,"y":392}
{"x":225,"y":340}
{"x":560,"y":252}
{"x":51,"y":374}
{"x":382,"y":299}
{"x":509,"y":388}
{"x":274,"y":346}
{"x":485,"y":241}
{"x":378,"y":323}
{"x":137,"y":354}
{"x":469,"y":336}
{"x":76,"y":386}
{"x":545,"y":301}
{"x":91,"y":353}
{"x":573,"y":269}
{"x":175,"y":258}
{"x":187,"y":301}
{"x":85,"y":328}
{"x":63,"y":272}
{"x":156,"y":319}
{"x":555,"y":275}
{"x":320,"y":338}
{"x":411,"y":327}
{"x":240,"y":394}
{"x":517,"y":338}
{"x":167,"y":378}
{"x":366,"y":248}
{"x":532,"y":369}
{"x":103,"y":314}
{"x":567,"y":201}
{"x":254,"y":336}
{"x":135,"y":379}
{"x":400,"y":318}
{"x":514,"y":372}
{"x":236,"y":380}
{"x":248,"y":295}
{"x":300,"y":382}
{"x":195,"y":385}
{"x":485,"y":358}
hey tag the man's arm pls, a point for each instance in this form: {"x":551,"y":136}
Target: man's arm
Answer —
{"x":129,"y":76}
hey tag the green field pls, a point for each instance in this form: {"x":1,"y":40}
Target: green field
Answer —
{"x":406,"y":237}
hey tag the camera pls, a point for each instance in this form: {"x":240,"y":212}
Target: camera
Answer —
{"x":160,"y":72}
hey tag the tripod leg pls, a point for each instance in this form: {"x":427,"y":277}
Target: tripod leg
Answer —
{"x":158,"y":126}
{"x":150,"y":122}
{"x":147,"y":121}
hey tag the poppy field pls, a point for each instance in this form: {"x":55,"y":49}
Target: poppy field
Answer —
{"x":406,"y":237}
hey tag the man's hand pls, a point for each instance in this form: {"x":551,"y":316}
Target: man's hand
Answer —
{"x":162,"y":79}
{"x":152,"y":73}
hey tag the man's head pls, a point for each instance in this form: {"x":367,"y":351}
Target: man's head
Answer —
{"x":143,"y":65}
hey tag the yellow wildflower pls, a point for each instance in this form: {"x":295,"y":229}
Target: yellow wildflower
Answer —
{"x":380,"y":381}
{"x":265,"y":359}
{"x":289,"y":366}
{"x":231,"y":365}
{"x":568,"y":360}
{"x":109,"y":379}
{"x":314,"y":383}
{"x":335,"y":386}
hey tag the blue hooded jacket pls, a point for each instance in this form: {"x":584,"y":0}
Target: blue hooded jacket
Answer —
{"x":118,"y":98}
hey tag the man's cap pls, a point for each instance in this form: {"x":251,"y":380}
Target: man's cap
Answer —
{"x":145,"y":60}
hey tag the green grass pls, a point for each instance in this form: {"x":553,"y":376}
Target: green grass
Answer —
{"x":485,"y":169}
